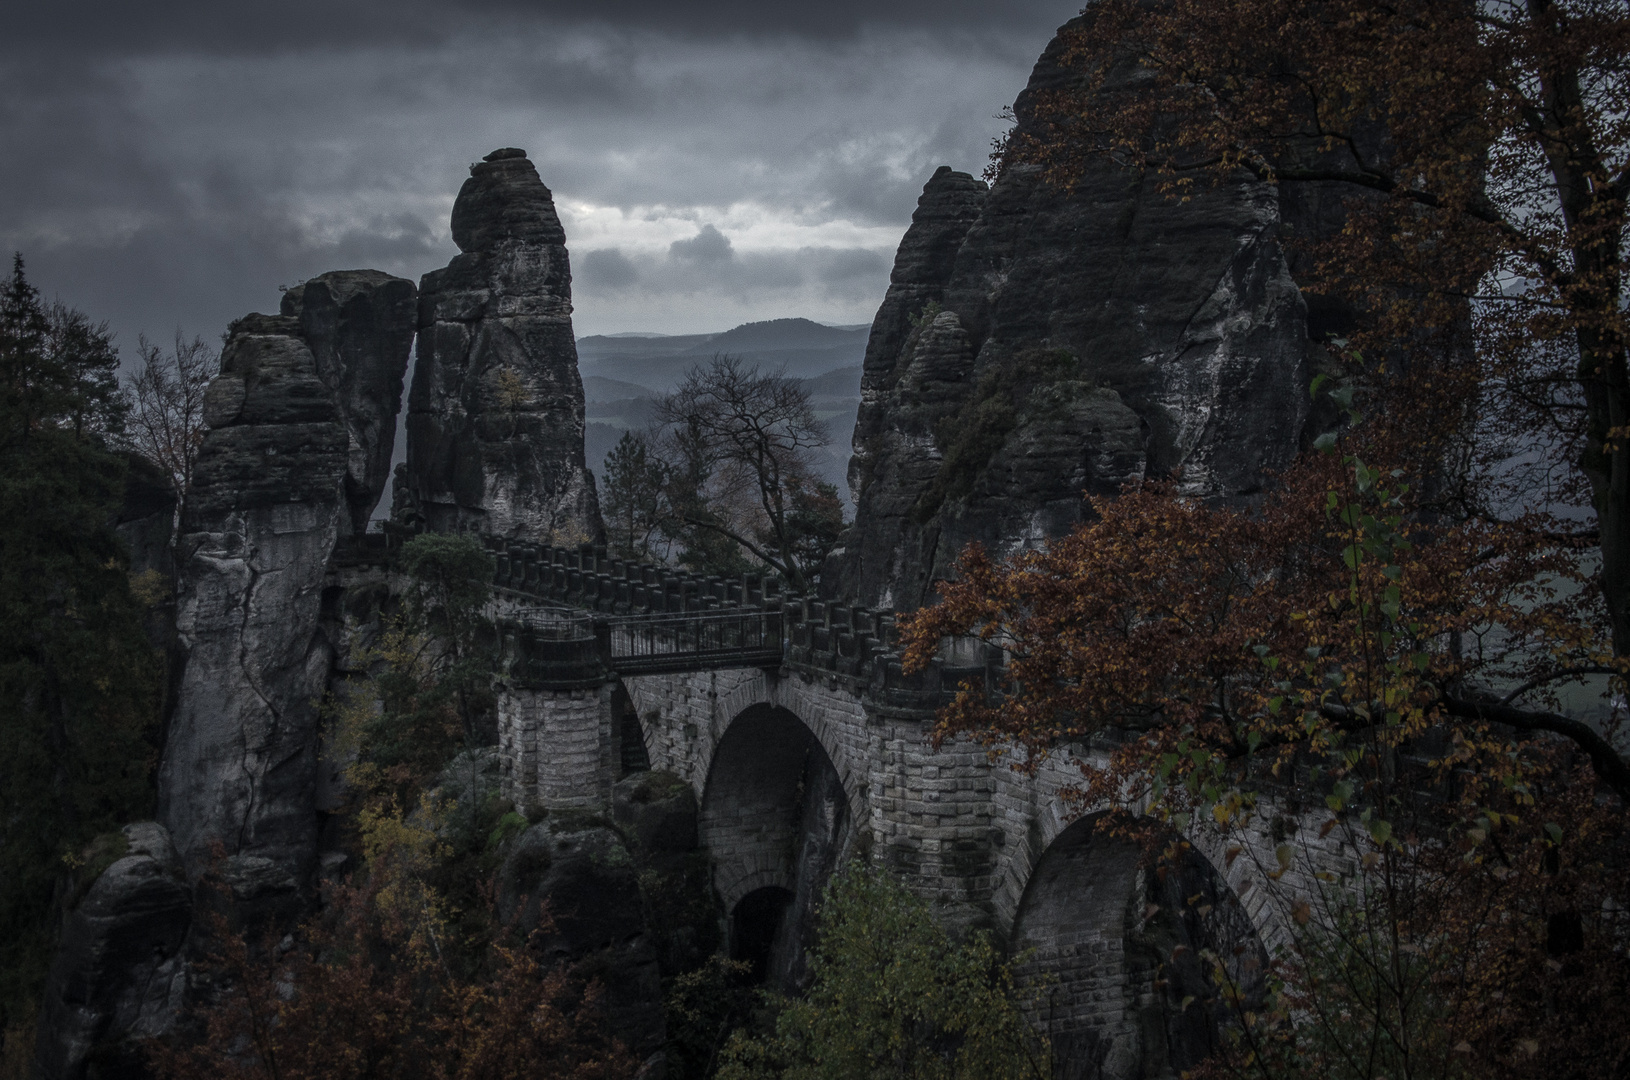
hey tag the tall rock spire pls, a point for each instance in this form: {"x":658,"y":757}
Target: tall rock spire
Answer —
{"x":1040,"y":342}
{"x":301,"y":419}
{"x":495,"y":415}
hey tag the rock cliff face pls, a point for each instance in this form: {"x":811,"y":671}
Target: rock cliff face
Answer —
{"x":119,"y":968}
{"x":300,"y":438}
{"x":266,"y":508}
{"x":1037,"y":343}
{"x":359,"y":327}
{"x":495,"y":415}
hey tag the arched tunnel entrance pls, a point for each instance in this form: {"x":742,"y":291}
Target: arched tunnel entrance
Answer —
{"x":1119,"y":952}
{"x":632,"y":755}
{"x":776,"y":822}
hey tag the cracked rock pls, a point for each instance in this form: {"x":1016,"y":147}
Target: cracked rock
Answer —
{"x":268,"y":502}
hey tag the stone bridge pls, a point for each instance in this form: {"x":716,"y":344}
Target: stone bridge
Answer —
{"x":806,"y":745}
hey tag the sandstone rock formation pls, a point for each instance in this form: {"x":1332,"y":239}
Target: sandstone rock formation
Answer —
{"x":1036,"y":343}
{"x":119,"y":967}
{"x":265,"y":511}
{"x":578,"y":870}
{"x":295,"y":458}
{"x":359,"y":326}
{"x":495,"y":414}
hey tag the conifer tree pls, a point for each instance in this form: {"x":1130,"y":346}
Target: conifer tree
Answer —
{"x":78,"y":681}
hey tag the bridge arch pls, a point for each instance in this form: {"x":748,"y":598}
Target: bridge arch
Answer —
{"x":777,"y":821}
{"x":1113,"y":946}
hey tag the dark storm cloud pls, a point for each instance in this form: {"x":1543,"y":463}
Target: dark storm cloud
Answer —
{"x":176,"y":163}
{"x":119,"y":26}
{"x":707,"y":264}
{"x":708,"y":246}
{"x":606,"y":269}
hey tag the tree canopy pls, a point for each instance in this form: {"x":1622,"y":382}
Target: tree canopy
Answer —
{"x":725,"y":480}
{"x":893,"y":996}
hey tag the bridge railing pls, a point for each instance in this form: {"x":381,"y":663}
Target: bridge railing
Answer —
{"x":641,"y":618}
{"x":588,"y":577}
{"x":663,"y":644}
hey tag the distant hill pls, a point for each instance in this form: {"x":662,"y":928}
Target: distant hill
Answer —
{"x":842,"y":383}
{"x":799,"y":347}
{"x":598,"y":388}
{"x":781,"y":335}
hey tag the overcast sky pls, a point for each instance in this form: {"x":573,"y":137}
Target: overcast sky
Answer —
{"x":172,"y":164}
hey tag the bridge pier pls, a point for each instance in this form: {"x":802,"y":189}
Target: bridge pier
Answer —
{"x":558,"y":747}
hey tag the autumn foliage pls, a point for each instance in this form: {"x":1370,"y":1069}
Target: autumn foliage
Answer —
{"x":403,"y":970}
{"x":359,"y":994}
{"x":1339,"y":648}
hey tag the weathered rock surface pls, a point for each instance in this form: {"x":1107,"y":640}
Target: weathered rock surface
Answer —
{"x":495,"y":414}
{"x":119,"y":974}
{"x":268,"y":502}
{"x":359,"y":325}
{"x":302,"y":421}
{"x":657,"y":812}
{"x":1036,"y":343}
{"x":582,"y":874}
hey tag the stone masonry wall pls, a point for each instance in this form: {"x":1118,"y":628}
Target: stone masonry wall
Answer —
{"x":966,"y":831}
{"x":556,"y":747}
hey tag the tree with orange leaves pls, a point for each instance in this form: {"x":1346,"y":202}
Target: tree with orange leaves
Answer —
{"x":367,"y":988}
{"x":1390,"y":632}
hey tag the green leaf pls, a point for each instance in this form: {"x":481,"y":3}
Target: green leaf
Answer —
{"x":1554,"y":832}
{"x":1326,"y":443}
{"x":1380,"y":831}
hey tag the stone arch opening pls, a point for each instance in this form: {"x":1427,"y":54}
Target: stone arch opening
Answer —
{"x":775,"y":820}
{"x":632,"y":754}
{"x":1120,"y":955}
